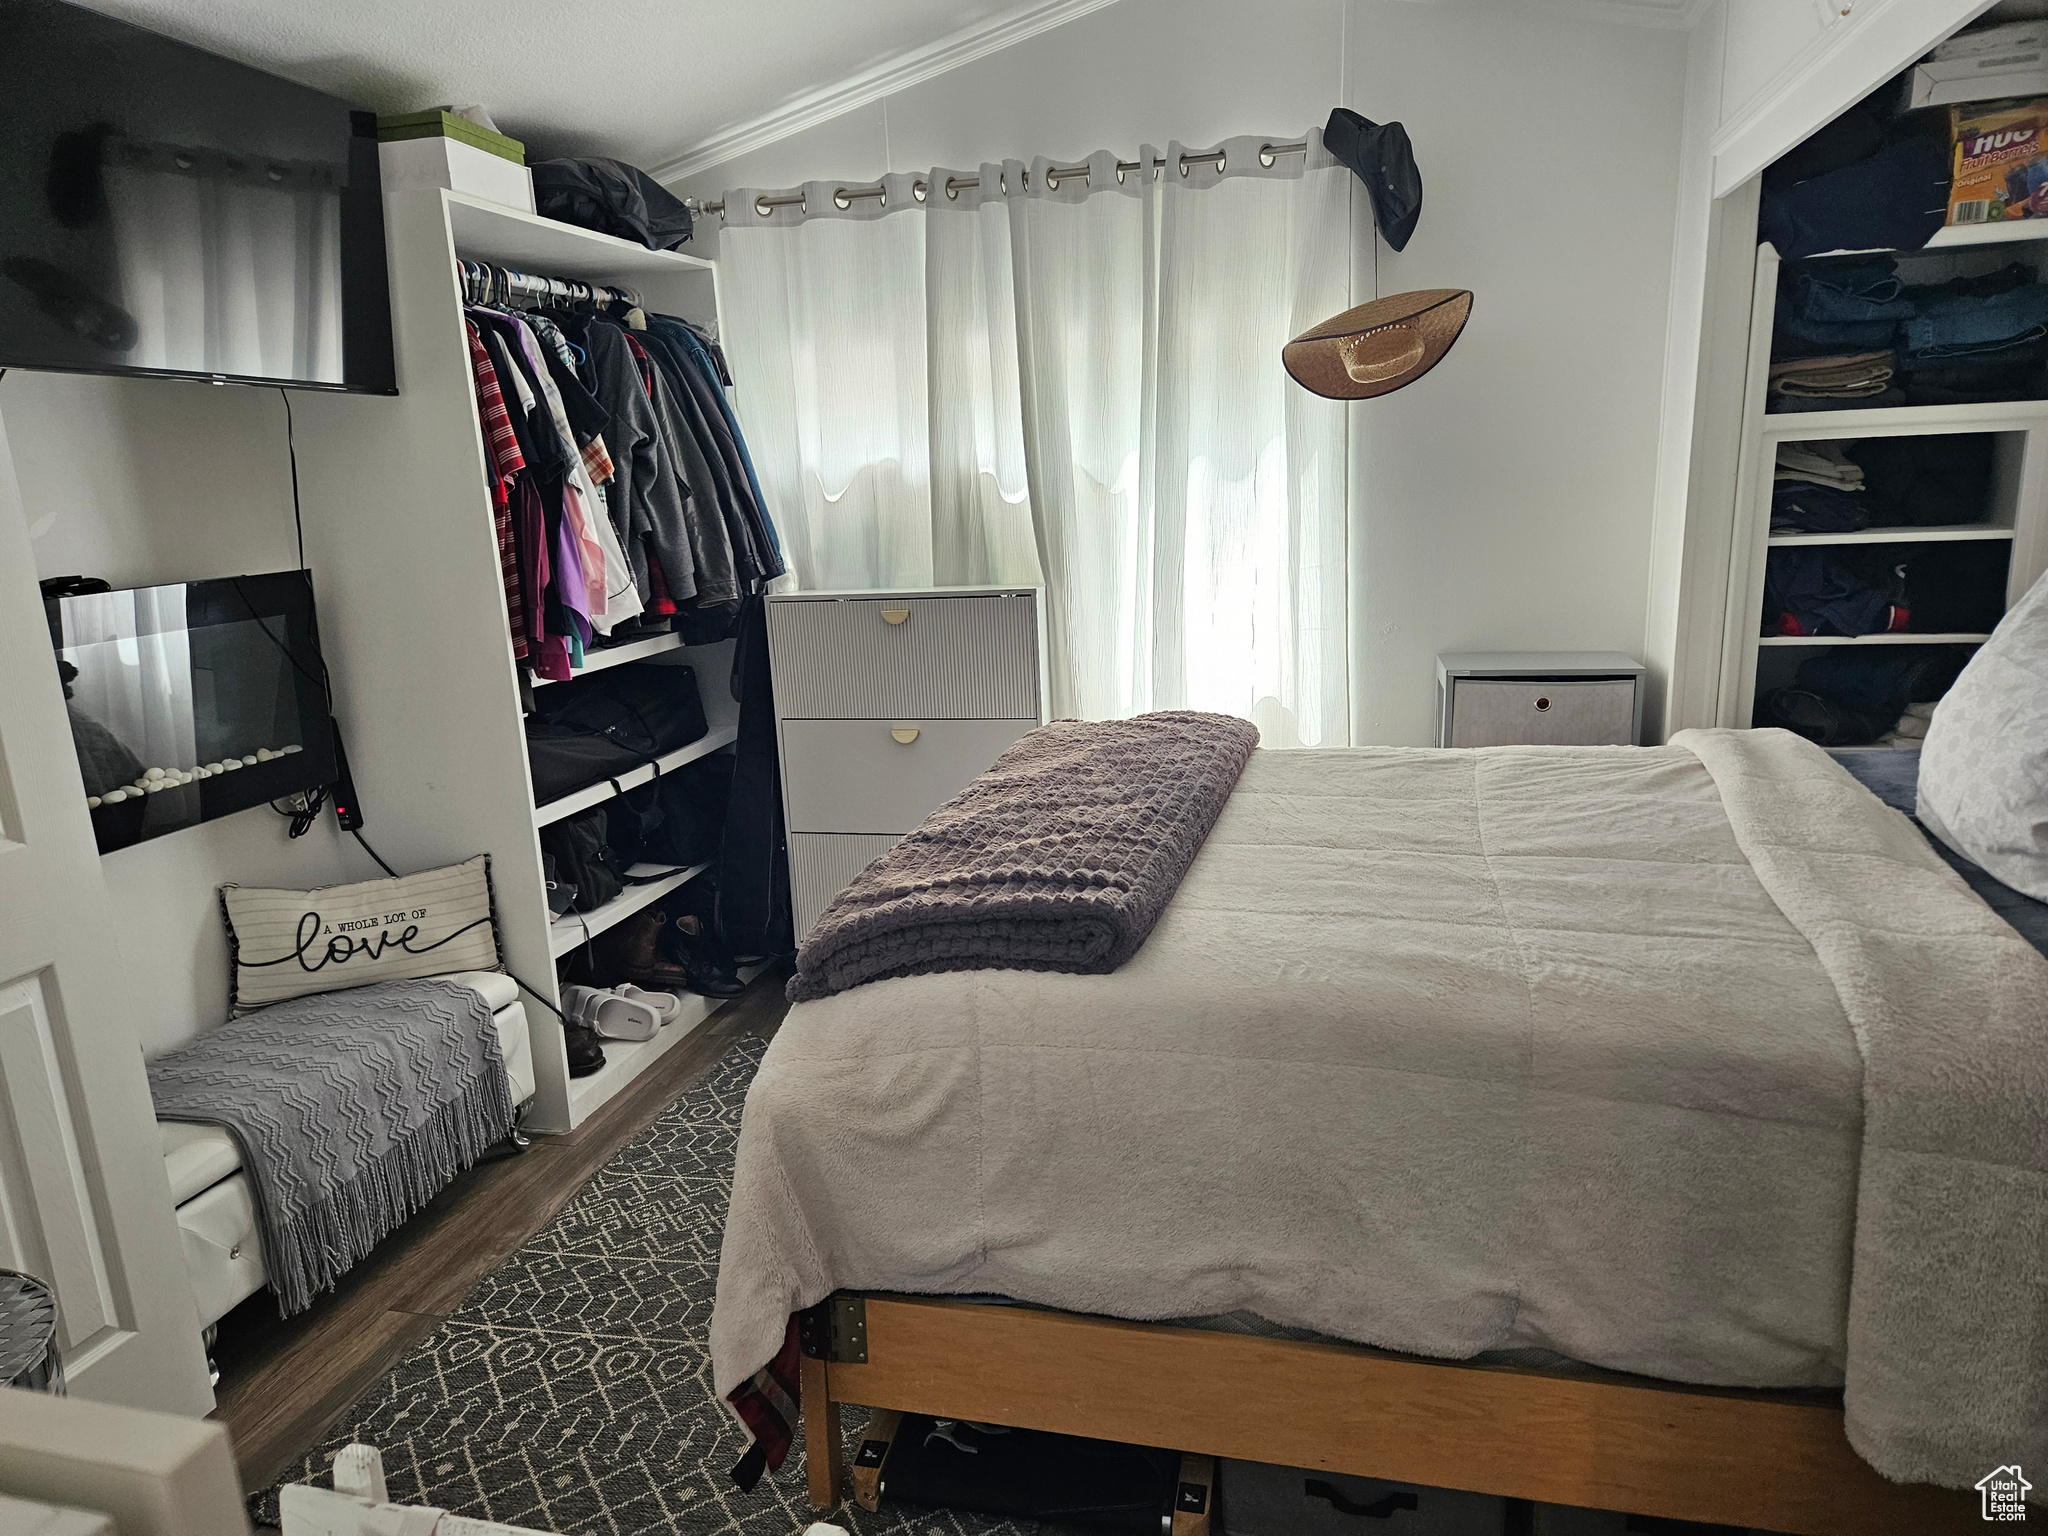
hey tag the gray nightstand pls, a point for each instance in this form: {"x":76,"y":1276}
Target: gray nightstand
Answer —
{"x":1538,"y":698}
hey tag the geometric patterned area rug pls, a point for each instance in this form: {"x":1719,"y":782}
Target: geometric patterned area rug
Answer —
{"x":571,"y":1392}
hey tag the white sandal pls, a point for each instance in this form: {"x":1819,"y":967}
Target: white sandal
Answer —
{"x":667,"y":1006}
{"x":611,"y":1014}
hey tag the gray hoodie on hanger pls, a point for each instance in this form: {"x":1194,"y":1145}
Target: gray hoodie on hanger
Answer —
{"x":710,"y":539}
{"x":648,"y":499}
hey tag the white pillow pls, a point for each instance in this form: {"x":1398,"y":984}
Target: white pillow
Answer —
{"x":295,"y":943}
{"x":1984,"y":768}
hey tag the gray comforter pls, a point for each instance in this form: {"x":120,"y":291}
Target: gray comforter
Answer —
{"x":352,"y":1110}
{"x":1059,"y":858}
{"x":1691,"y":1061}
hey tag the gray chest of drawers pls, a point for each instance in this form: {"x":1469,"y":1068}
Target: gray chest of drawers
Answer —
{"x":887,"y":705}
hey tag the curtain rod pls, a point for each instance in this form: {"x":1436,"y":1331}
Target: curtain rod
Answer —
{"x":846,"y":197}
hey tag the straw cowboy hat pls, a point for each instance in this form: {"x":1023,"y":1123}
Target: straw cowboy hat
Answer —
{"x":1377,"y":347}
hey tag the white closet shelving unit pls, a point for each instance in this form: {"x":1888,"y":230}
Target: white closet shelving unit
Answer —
{"x":403,"y":548}
{"x":2017,"y":508}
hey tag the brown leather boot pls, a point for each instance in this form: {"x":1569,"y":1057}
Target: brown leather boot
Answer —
{"x":629,"y":953}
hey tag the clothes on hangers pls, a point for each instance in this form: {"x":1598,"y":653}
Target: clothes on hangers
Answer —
{"x":633,"y":500}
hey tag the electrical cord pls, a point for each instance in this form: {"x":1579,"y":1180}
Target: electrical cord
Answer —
{"x":314,"y":801}
{"x":291,"y":446}
{"x":517,"y":980}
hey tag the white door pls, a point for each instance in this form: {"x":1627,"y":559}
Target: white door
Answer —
{"x":84,"y":1203}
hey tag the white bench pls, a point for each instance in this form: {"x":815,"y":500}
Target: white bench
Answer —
{"x":217,"y":1210}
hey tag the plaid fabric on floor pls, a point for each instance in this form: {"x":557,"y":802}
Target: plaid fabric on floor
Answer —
{"x":572,"y":1391}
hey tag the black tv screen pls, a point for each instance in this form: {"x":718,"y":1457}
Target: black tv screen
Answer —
{"x":166,"y":211}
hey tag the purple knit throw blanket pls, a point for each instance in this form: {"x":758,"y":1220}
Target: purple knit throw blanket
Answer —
{"x":1060,"y":858}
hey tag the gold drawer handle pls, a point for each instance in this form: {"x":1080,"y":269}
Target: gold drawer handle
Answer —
{"x":905,"y":734}
{"x":895,"y":615}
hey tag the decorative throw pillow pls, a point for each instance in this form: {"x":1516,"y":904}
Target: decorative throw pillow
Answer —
{"x":1984,"y":768}
{"x":294,"y":943}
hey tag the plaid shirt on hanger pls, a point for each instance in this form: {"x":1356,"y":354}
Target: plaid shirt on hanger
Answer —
{"x":501,"y":444}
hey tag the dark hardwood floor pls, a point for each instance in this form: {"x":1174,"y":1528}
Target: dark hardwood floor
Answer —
{"x":284,"y":1383}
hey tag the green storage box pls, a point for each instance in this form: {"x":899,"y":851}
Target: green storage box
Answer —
{"x":446,"y":125}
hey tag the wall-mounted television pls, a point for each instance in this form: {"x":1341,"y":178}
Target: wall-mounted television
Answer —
{"x":192,"y":701}
{"x":165,"y":211}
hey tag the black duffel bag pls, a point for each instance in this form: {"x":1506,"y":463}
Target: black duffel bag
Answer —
{"x":583,"y":860}
{"x":591,"y":729}
{"x":677,"y":820}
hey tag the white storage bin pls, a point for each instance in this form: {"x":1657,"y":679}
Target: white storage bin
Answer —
{"x":1255,"y":1499}
{"x":460,"y":167}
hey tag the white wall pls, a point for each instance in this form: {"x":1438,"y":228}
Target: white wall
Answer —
{"x":147,"y":481}
{"x":1504,"y":502}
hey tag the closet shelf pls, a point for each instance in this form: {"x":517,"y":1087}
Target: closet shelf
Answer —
{"x":1903,"y":638}
{"x":1942,"y":533}
{"x":573,"y":929}
{"x":1905,"y":420}
{"x":506,"y":237}
{"x":1957,"y":236}
{"x":625,"y":1060}
{"x":619,"y":655}
{"x":597,"y":794}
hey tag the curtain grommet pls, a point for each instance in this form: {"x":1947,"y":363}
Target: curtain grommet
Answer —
{"x":840,"y":200}
{"x":1266,"y":156}
{"x":920,"y":190}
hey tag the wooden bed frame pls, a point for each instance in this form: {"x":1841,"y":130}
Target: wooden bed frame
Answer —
{"x":1601,"y":1441}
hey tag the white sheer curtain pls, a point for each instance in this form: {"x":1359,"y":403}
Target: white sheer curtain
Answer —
{"x":134,"y":662}
{"x":1086,"y":369}
{"x":229,"y":266}
{"x":825,"y":321}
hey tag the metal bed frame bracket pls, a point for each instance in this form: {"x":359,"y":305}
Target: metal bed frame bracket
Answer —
{"x":836,"y":1329}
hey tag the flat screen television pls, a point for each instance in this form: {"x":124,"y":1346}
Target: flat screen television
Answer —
{"x":192,"y":701}
{"x":165,"y":211}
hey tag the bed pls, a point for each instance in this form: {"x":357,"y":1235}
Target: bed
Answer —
{"x":1693,"y":1066}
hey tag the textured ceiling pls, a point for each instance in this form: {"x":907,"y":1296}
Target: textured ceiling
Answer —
{"x":639,"y":79}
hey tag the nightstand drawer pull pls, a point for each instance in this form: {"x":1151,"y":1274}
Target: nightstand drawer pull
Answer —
{"x":905,"y":734}
{"x":895,"y":615}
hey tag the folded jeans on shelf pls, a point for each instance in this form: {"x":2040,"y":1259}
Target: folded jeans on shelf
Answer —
{"x":1851,"y":303}
{"x":1960,"y":325}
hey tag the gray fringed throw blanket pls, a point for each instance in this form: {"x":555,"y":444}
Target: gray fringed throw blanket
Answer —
{"x":1060,"y":858}
{"x":351,"y":1109}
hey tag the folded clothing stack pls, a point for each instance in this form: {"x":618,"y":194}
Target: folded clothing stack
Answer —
{"x":1849,"y":697}
{"x":1925,"y":481}
{"x":1882,"y":482}
{"x":1817,"y":488}
{"x":1870,"y":589}
{"x":1861,"y":183}
{"x":1834,"y":381}
{"x":1851,"y":333}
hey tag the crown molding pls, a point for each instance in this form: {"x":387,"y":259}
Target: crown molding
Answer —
{"x":877,"y":81}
